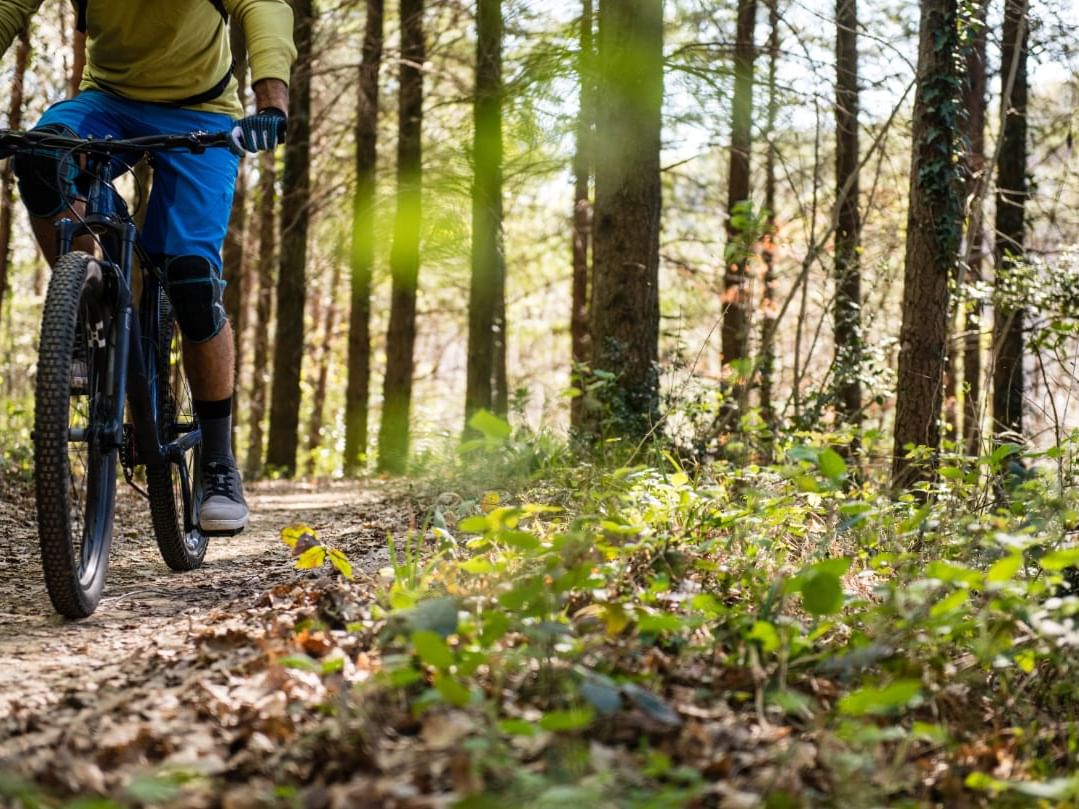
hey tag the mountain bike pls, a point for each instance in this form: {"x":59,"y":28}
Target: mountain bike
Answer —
{"x":99,"y":352}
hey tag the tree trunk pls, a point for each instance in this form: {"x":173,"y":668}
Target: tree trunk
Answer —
{"x":393,"y":434}
{"x":295,"y":212}
{"x":625,"y":290}
{"x":325,"y":358}
{"x":848,"y":277}
{"x":7,"y":179}
{"x":1011,"y":200}
{"x":483,"y":305}
{"x":768,"y":351}
{"x":580,"y":336}
{"x":974,"y":91}
{"x":363,"y":244}
{"x":736,"y":305}
{"x":263,"y":312}
{"x":934,"y":223}
{"x":232,"y":254}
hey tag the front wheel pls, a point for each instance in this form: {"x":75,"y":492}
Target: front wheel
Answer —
{"x":74,"y":458}
{"x":173,"y":489}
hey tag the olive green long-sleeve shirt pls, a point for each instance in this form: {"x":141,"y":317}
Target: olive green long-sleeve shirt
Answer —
{"x":168,"y":50}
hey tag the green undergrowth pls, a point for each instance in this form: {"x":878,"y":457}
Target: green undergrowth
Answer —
{"x":850,"y":646}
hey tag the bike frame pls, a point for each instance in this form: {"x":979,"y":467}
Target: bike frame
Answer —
{"x":132,"y":373}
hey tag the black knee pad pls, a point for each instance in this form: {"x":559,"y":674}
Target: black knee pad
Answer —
{"x":49,"y":180}
{"x":197,"y":292}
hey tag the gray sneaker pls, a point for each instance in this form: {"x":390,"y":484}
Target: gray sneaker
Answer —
{"x":223,"y":509}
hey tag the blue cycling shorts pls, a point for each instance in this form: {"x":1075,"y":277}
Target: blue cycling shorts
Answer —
{"x":189,"y":205}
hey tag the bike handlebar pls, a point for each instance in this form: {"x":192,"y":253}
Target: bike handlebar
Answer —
{"x":12,"y":140}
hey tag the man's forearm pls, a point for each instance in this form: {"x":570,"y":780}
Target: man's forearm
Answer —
{"x":271,"y":93}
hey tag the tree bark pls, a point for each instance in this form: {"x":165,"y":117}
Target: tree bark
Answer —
{"x":393,"y":434}
{"x":314,"y":430}
{"x":768,"y":351}
{"x":295,"y":212}
{"x":974,"y":101}
{"x":232,"y":253}
{"x":736,"y":305}
{"x":1008,"y":383}
{"x":934,"y":223}
{"x":580,"y":335}
{"x":625,"y":290}
{"x":363,"y":244}
{"x":7,"y":179}
{"x":487,"y":247}
{"x":848,"y":277}
{"x":267,"y":206}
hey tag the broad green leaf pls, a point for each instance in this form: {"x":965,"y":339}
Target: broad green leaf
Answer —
{"x":1004,"y":569}
{"x":437,"y":615}
{"x":311,"y":558}
{"x":521,"y":540}
{"x":949,"y":603}
{"x":831,"y":464}
{"x":477,"y":566}
{"x":452,"y":691}
{"x":766,"y":634}
{"x":517,"y":727}
{"x":490,"y":426}
{"x":476,"y":524}
{"x":341,"y":563}
{"x":822,"y":593}
{"x":301,"y":662}
{"x":1059,"y":560}
{"x":663,"y":622}
{"x":878,"y":701}
{"x":571,"y":719}
{"x":432,"y":649}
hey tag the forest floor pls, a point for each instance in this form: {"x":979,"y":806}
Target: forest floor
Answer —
{"x":103,"y":706}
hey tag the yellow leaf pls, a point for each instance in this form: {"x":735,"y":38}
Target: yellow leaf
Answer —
{"x":490,"y":500}
{"x":291,"y":534}
{"x":340,"y":561}
{"x":311,"y":558}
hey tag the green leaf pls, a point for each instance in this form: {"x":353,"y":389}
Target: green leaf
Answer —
{"x":432,"y":649}
{"x":572,"y":719}
{"x":663,"y":622}
{"x":1059,"y":560}
{"x":341,"y":563}
{"x":452,"y":691}
{"x":879,"y":701}
{"x":311,"y":558}
{"x":521,"y":540}
{"x":766,"y":634}
{"x":822,"y":593}
{"x":1004,"y":569}
{"x":517,"y":727}
{"x":950,"y":603}
{"x":301,"y":662}
{"x":490,"y":426}
{"x":602,"y":695}
{"x":477,"y":566}
{"x":831,"y":464}
{"x":476,"y":524}
{"x":435,"y":614}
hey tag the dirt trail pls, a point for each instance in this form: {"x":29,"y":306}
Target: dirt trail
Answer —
{"x":55,"y":674}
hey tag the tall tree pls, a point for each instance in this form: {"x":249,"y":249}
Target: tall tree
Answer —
{"x":848,"y":276}
{"x":363,"y":243}
{"x":974,"y":102}
{"x":934,"y":222}
{"x":232,"y":253}
{"x":295,"y":213}
{"x":580,"y":336}
{"x":1010,"y":210}
{"x":7,"y":180}
{"x":322,"y":375}
{"x":625,"y":289}
{"x":267,"y":208}
{"x":768,"y":351}
{"x":393,"y":432}
{"x":736,"y":305}
{"x":487,"y":249}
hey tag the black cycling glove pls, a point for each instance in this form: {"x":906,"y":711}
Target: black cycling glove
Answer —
{"x":263,"y":131}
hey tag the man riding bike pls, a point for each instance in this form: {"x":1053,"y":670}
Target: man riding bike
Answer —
{"x":155,"y":67}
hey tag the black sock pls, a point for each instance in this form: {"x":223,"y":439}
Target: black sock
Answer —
{"x":215,"y":419}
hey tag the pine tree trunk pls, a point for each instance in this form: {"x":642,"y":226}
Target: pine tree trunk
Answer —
{"x":933,"y":228}
{"x":363,"y":247}
{"x":295,"y":212}
{"x":393,"y":434}
{"x":267,"y":206}
{"x":768,"y":351}
{"x":736,"y":305}
{"x":580,"y":336}
{"x":625,"y":290}
{"x":314,"y":431}
{"x":1008,"y":384}
{"x":848,"y":277}
{"x":232,"y":253}
{"x":7,"y":179}
{"x":974,"y":91}
{"x":483,"y":304}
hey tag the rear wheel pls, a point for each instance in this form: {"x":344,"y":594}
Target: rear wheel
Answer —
{"x":174,"y":497}
{"x":74,"y":460}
